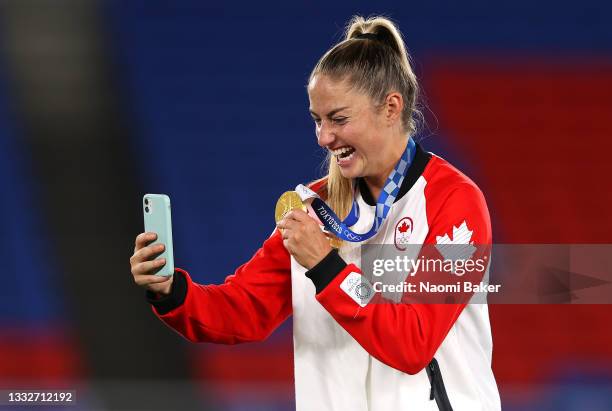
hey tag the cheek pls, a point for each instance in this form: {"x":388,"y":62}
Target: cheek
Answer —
{"x":355,"y":135}
{"x":362,"y":140}
{"x":364,"y":132}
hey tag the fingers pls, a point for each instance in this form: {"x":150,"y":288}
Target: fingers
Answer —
{"x":147,"y":279}
{"x":144,"y":280}
{"x":143,"y":263}
{"x":146,"y":253}
{"x":297,"y":223}
{"x":294,"y":218}
{"x":297,"y":215}
{"x":290,"y":228}
{"x":147,"y":267}
{"x":285,"y":224}
{"x":143,"y":239}
{"x":288,"y":245}
{"x":327,"y":234}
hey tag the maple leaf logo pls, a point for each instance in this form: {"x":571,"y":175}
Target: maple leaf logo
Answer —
{"x":460,"y":247}
{"x":403,"y":228}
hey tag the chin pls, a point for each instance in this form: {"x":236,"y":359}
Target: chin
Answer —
{"x":350,"y":172}
{"x":352,"y":169}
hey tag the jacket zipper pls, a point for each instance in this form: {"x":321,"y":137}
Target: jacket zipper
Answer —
{"x":438,"y":391}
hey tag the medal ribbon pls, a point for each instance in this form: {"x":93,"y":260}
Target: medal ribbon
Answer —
{"x":385,"y":200}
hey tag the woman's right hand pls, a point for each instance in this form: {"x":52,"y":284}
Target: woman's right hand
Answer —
{"x":143,"y":264}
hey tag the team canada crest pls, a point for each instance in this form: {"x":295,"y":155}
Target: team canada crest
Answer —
{"x":403,"y":230}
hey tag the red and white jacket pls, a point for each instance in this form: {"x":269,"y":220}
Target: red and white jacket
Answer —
{"x":379,"y":357}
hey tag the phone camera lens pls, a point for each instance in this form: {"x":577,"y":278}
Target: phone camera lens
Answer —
{"x":146,"y":201}
{"x":146,"y":209}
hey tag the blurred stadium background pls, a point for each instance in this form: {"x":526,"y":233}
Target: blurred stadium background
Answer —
{"x":103,"y":101}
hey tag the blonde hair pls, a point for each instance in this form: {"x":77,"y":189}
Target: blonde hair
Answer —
{"x":375,"y":65}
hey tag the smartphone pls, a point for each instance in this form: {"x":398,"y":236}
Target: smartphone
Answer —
{"x":158,"y":219}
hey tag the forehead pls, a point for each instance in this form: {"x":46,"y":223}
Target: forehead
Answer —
{"x":326,"y":93}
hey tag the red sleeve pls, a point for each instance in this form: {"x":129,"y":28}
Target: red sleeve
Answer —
{"x":248,"y":306}
{"x":406,"y":336}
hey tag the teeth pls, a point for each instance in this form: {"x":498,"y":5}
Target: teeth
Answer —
{"x":346,"y":158}
{"x":341,"y":150}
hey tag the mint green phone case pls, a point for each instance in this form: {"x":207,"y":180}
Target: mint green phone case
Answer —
{"x":158,"y":219}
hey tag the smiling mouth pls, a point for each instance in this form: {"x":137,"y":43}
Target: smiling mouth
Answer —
{"x":343,"y":152}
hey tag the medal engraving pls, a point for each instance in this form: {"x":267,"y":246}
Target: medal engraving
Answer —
{"x":290,"y":200}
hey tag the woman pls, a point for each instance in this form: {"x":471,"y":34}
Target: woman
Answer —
{"x":351,"y":353}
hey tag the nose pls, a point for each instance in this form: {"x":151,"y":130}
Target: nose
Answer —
{"x":325,"y":134}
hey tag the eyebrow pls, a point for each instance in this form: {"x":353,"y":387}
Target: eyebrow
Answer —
{"x":331,"y":113}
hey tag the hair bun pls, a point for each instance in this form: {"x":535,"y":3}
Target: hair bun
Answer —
{"x":370,"y":36}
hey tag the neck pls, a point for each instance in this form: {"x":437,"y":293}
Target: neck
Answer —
{"x":377,"y":181}
{"x":375,"y":185}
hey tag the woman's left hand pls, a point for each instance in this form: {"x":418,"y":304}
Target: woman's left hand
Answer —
{"x":303,"y":238}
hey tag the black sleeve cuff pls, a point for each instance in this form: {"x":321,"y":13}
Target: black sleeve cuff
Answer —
{"x":326,"y":270}
{"x":175,"y":299}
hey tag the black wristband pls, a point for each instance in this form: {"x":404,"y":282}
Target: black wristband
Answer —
{"x":175,"y":299}
{"x":326,"y":270}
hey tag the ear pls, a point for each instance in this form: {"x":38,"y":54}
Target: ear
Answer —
{"x":394,"y":105}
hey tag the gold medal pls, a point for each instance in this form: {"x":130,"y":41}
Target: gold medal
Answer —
{"x":335,"y":242}
{"x":290,"y":200}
